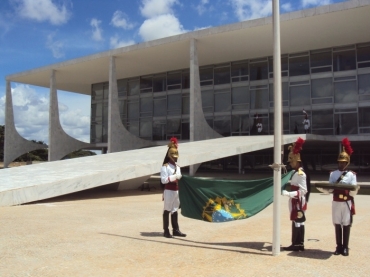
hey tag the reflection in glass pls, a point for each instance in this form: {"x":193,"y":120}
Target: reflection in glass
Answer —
{"x":322,"y":87}
{"x":221,"y":125}
{"x":258,"y":71}
{"x":133,"y":109}
{"x":206,"y":74}
{"x":122,"y":87}
{"x":160,"y":107}
{"x":207,"y":101}
{"x":259,"y":99}
{"x":222,"y":102}
{"x":240,"y":124}
{"x":133,"y":87}
{"x":300,"y":96}
{"x":159,"y":130}
{"x":298,"y":66}
{"x":239,"y":70}
{"x":133,"y":127}
{"x":146,"y":84}
{"x":159,"y":83}
{"x":344,"y":60}
{"x":96,"y":132}
{"x":222,"y":75}
{"x":364,"y":84}
{"x":345,"y":92}
{"x":146,"y":128}
{"x":97,"y":91}
{"x":346,"y":124}
{"x":240,"y":98}
{"x":321,"y":59}
{"x":146,"y":106}
{"x":363,"y":54}
{"x":322,"y":119}
{"x":173,"y":127}
{"x":174,"y":104}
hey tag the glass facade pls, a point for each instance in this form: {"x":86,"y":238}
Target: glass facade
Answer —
{"x":332,"y":85}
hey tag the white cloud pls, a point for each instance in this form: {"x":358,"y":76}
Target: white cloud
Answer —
{"x":115,"y":42}
{"x":120,"y":20}
{"x":307,"y":3}
{"x":251,"y":9}
{"x":287,"y":7}
{"x":153,"y":8}
{"x":201,"y":7}
{"x":31,"y":113}
{"x":161,"y":26}
{"x":42,"y":10}
{"x":56,"y":47}
{"x":96,"y":30}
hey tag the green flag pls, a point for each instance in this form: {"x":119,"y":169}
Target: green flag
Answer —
{"x":225,"y":200}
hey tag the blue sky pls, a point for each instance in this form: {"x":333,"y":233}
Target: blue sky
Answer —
{"x":36,"y":33}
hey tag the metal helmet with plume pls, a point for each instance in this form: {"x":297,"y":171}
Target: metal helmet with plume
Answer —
{"x":347,"y":151}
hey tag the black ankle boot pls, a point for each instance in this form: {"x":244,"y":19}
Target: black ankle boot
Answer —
{"x":166,"y":222}
{"x":175,"y":226}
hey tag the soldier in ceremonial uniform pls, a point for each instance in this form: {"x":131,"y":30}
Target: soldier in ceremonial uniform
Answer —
{"x":297,"y":197}
{"x":170,"y":174}
{"x":343,"y":205}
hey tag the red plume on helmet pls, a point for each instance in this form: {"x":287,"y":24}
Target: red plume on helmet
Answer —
{"x":298,"y":146}
{"x":347,"y":146}
{"x":174,"y":141}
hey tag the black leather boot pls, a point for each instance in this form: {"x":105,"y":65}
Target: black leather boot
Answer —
{"x":166,"y":222}
{"x":338,"y":239}
{"x":175,"y":226}
{"x":346,"y":231}
{"x":295,"y":239}
{"x":301,"y":238}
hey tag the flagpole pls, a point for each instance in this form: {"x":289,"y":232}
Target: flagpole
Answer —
{"x":277,"y":128}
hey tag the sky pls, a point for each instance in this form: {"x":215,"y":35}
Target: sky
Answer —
{"x":37,"y":33}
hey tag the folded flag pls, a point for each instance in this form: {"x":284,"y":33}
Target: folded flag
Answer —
{"x":225,"y":200}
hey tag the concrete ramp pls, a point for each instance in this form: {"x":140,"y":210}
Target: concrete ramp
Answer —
{"x":41,"y":181}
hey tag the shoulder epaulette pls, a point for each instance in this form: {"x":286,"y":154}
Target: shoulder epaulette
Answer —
{"x":300,"y":171}
{"x":352,"y":172}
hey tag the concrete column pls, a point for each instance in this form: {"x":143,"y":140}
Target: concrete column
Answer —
{"x":14,"y":145}
{"x":60,"y":143}
{"x":199,"y":128}
{"x":119,"y":138}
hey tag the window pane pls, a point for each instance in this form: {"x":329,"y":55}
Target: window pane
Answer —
{"x":185,"y":79}
{"x":159,"y":130}
{"x":222,"y":75}
{"x":322,"y":120}
{"x":146,"y":84}
{"x":240,"y":124}
{"x":173,"y":126}
{"x":364,"y":84}
{"x":97,"y":91}
{"x":222,"y":102}
{"x":96,"y":133}
{"x":185,"y":130}
{"x":321,"y":59}
{"x":283,"y":61}
{"x":159,"y":83}
{"x":160,"y":107}
{"x":258,"y":71}
{"x":363,"y":54}
{"x":322,"y":87}
{"x":146,"y":128}
{"x":298,"y":66}
{"x":133,"y":110}
{"x":186,"y":104}
{"x":206,"y":74}
{"x":364,"y":117}
{"x":240,"y":96}
{"x":300,"y":96}
{"x":97,"y":111}
{"x":345,"y":60}
{"x":346,"y":124}
{"x":146,"y":106}
{"x":133,"y":127}
{"x":207,"y":101}
{"x":345,"y":92}
{"x":221,"y":125}
{"x":174,"y":104}
{"x":133,"y":87}
{"x":122,"y":87}
{"x":174,"y":78}
{"x":259,"y":99}
{"x":240,"y":69}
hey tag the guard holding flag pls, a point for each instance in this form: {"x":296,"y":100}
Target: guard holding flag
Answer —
{"x":297,"y":197}
{"x":170,"y":174}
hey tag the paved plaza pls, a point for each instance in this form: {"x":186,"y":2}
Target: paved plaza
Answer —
{"x":105,"y":233}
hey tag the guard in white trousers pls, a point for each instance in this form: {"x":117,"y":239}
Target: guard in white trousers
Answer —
{"x":170,"y":174}
{"x":343,"y":205}
{"x":297,"y":197}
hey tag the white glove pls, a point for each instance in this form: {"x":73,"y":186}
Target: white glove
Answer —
{"x":172,"y":178}
{"x":291,"y":194}
{"x":178,"y":176}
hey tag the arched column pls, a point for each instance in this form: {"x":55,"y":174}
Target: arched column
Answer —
{"x":199,"y":128}
{"x":119,"y":138}
{"x":14,"y":145}
{"x":60,"y":143}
